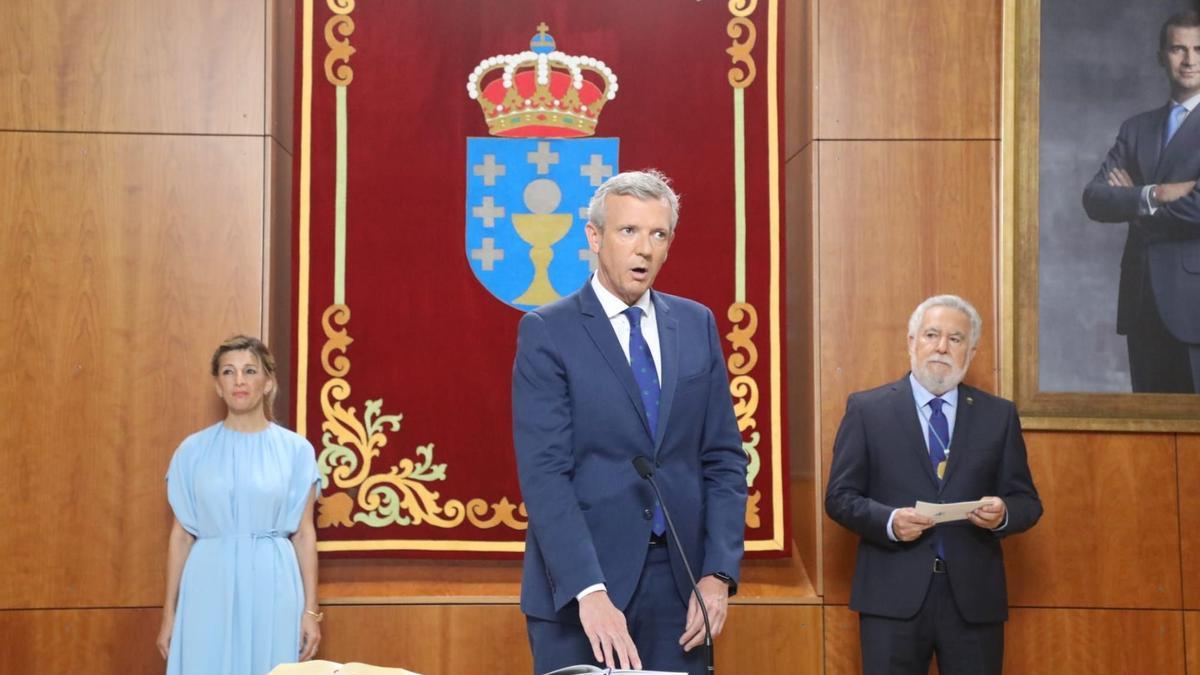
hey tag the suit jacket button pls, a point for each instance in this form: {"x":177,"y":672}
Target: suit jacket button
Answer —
{"x":647,"y":514}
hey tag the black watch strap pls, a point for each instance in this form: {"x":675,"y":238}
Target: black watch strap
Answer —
{"x":728,"y":581}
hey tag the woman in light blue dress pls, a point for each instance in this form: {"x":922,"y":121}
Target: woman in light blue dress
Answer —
{"x":242,"y":555}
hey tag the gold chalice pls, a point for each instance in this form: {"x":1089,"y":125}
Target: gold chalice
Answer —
{"x":541,"y":229}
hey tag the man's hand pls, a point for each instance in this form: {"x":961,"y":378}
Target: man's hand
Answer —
{"x":1119,"y":177}
{"x":907,"y":524}
{"x":1166,"y":193}
{"x":990,"y":515}
{"x":716,"y":599}
{"x":605,"y":627}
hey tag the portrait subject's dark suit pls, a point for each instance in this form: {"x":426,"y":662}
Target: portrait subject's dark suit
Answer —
{"x":880,"y":463}
{"x":578,"y":422}
{"x":1160,"y":266}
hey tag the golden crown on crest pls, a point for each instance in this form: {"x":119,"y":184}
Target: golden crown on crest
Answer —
{"x":542,"y":92}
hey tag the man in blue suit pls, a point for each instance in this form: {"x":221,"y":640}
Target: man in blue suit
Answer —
{"x":600,"y":584}
{"x":1148,"y":179}
{"x":922,"y":589}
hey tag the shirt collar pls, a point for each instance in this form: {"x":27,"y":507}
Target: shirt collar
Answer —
{"x":613,"y":305}
{"x":923,"y":396}
{"x":1190,"y":104}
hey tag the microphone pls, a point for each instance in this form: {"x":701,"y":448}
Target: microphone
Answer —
{"x":645,"y":469}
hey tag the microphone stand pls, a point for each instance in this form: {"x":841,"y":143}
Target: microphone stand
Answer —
{"x":646,"y":470}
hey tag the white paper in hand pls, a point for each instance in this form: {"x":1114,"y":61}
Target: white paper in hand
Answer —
{"x":944,"y":513}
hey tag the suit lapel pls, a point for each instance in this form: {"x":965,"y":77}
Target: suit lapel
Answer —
{"x":668,"y":345}
{"x":905,"y":408}
{"x":1149,"y":145}
{"x":960,"y":434}
{"x":600,"y":329}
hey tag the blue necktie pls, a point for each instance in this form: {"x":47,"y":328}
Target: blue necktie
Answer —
{"x":644,"y":373}
{"x":939,"y":437}
{"x":939,"y":442}
{"x":1174,"y":120}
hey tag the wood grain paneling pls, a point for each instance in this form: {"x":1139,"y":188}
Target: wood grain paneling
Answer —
{"x":771,"y":639}
{"x":95,"y":641}
{"x":897,"y":222}
{"x":281,"y":71}
{"x":429,"y":639}
{"x":842,"y":653}
{"x":1110,"y":533}
{"x":1189,"y":519}
{"x":449,"y":639}
{"x":802,"y":360}
{"x":921,"y":70}
{"x":127,"y":259}
{"x":277,"y":286}
{"x":1058,"y":641}
{"x":172,"y":66}
{"x":799,"y":83}
{"x":1192,"y":631}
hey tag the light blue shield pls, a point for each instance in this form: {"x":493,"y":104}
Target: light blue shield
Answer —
{"x":527,"y":204}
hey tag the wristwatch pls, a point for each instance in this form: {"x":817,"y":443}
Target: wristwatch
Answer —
{"x":728,"y":581}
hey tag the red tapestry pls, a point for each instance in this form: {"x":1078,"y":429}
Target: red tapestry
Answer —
{"x":445,"y":155}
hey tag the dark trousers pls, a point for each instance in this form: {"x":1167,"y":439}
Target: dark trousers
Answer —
{"x":906,"y":646}
{"x":655,"y":616}
{"x":1158,"y":362}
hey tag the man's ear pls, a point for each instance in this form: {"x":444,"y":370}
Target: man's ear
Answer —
{"x":594,"y":236}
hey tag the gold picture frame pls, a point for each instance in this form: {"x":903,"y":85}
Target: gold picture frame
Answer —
{"x":1018,"y":270}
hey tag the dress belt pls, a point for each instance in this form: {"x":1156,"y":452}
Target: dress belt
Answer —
{"x":263,"y":534}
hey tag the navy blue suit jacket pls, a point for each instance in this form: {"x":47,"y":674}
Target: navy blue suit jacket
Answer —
{"x":578,"y":422}
{"x":1165,"y":245}
{"x":880,"y":463}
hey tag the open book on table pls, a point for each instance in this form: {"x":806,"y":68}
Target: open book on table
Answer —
{"x":594,"y":670}
{"x":331,"y":668}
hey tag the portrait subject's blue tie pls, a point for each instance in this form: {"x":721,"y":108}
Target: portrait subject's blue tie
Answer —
{"x":1174,"y":121}
{"x":646,"y":376}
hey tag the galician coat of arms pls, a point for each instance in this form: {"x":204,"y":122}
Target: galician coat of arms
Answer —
{"x":528,"y":189}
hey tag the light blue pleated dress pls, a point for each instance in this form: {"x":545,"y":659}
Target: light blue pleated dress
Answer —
{"x":241,"y":597}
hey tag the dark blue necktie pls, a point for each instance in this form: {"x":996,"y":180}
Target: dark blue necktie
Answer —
{"x":644,"y":373}
{"x":939,"y":437}
{"x":939,"y":443}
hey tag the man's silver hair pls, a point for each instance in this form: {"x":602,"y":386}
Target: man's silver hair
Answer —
{"x":952,"y":301}
{"x":645,"y":185}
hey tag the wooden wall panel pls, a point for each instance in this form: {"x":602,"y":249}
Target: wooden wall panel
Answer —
{"x":920,"y":70}
{"x":801,"y":339}
{"x":127,"y":259}
{"x":842,"y":654}
{"x":281,"y":72}
{"x":898,"y":222}
{"x":450,"y":639}
{"x":172,"y":66}
{"x":1191,"y":629}
{"x":1058,"y":641}
{"x":110,"y":641}
{"x":1189,"y":519}
{"x":278,"y":326}
{"x":771,"y":639}
{"x":799,"y":77}
{"x":1110,"y":533}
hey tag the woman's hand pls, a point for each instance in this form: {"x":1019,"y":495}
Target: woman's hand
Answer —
{"x":164,"y":635}
{"x":310,"y":636}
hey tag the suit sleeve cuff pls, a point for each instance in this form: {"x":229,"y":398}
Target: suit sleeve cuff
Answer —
{"x":592,"y":589}
{"x":892,"y":535}
{"x":1146,"y":205}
